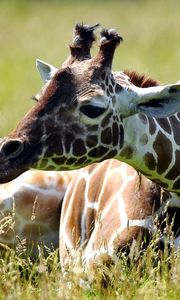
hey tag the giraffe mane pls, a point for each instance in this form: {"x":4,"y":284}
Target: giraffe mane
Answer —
{"x":141,"y":80}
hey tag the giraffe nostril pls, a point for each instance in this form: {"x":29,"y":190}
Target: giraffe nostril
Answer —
{"x":12,"y":148}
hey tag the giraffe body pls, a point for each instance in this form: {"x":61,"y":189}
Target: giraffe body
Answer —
{"x":30,"y":208}
{"x":108,"y":207}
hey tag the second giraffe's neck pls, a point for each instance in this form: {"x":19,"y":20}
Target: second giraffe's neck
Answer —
{"x":152,"y":147}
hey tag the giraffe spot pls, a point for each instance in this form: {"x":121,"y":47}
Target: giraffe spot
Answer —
{"x":118,"y":88}
{"x":110,"y":154}
{"x":108,"y":93}
{"x":58,"y":161}
{"x":163,"y":148}
{"x":150,"y":161}
{"x":112,"y":82}
{"x":107,"y":119}
{"x":143,"y":139}
{"x":152,"y":126}
{"x":90,"y":221}
{"x":103,"y":86}
{"x":75,"y":215}
{"x":110,"y":89}
{"x":143,"y":118}
{"x":175,"y":128}
{"x":80,"y":161}
{"x":106,"y":136}
{"x":121,"y":141}
{"x":127,"y":152}
{"x":92,"y":141}
{"x":115,"y":130}
{"x":56,"y":144}
{"x":176,"y":185}
{"x":98,"y":152}
{"x":174,"y":172}
{"x":71,"y":161}
{"x":79,"y":148}
{"x":164,"y":123}
{"x":107,"y":81}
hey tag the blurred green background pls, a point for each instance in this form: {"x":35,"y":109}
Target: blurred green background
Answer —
{"x":43,"y":29}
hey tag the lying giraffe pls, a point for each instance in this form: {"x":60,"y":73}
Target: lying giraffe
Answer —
{"x":97,"y":114}
{"x":110,"y":207}
{"x":30,"y":208}
{"x":107,"y":206}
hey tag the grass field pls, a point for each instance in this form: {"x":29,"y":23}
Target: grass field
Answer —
{"x":43,"y":29}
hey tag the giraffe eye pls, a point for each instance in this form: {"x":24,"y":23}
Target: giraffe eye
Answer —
{"x":92,"y":111}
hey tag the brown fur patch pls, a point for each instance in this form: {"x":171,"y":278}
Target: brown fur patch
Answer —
{"x":174,"y":172}
{"x":150,"y":161}
{"x":163,"y":147}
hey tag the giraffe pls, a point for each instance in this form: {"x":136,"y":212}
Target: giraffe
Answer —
{"x":107,"y":207}
{"x":97,"y":114}
{"x":30,"y":208}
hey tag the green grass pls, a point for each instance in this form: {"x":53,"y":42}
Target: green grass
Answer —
{"x":43,"y":29}
{"x":148,"y":275}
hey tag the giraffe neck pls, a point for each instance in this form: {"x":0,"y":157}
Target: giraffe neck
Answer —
{"x":152,"y":147}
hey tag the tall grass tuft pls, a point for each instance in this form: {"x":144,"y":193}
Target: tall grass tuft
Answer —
{"x":143,"y":274}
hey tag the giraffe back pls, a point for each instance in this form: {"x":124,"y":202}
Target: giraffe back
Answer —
{"x":108,"y":206}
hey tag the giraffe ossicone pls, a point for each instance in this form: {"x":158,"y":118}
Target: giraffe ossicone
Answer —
{"x":86,"y":113}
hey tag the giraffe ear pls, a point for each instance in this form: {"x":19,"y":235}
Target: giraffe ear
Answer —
{"x":46,"y":70}
{"x":160,"y":101}
{"x":156,"y":101}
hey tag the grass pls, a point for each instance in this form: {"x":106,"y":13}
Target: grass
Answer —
{"x":31,"y":29}
{"x":149,"y":274}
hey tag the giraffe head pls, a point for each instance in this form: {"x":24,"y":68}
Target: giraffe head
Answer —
{"x":77,"y":119}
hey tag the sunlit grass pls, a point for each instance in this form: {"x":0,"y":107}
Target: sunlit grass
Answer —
{"x":148,"y":275}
